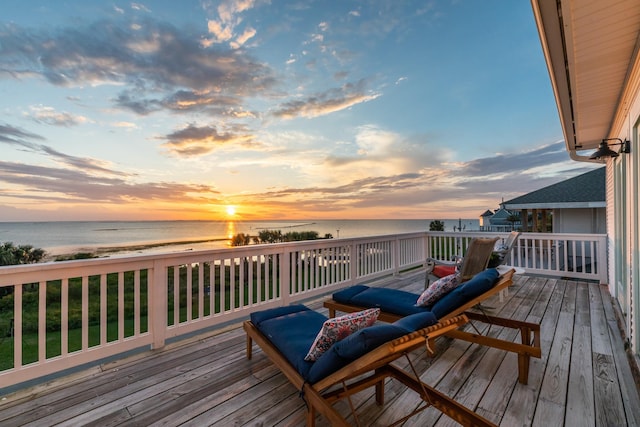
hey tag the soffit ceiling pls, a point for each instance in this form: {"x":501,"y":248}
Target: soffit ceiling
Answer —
{"x":590,"y":47}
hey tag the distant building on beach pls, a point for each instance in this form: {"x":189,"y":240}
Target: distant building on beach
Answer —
{"x":576,"y":205}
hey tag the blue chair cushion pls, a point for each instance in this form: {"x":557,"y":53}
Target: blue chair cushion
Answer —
{"x":403,"y":303}
{"x":364,"y":341}
{"x":393,"y":301}
{"x":258,"y":316}
{"x":476,"y":286}
{"x":352,"y":347}
{"x":291,"y":330}
{"x":345,"y":295}
{"x":416,"y":321}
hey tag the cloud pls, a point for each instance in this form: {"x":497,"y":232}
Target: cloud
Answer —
{"x":442,"y":187}
{"x":388,"y":172}
{"x":223,"y":29}
{"x":49,"y":116}
{"x":83,"y":179}
{"x":331,"y":101}
{"x":220,"y":32}
{"x":386,"y":152}
{"x":500,"y":163}
{"x":140,"y":7}
{"x":243,"y":38}
{"x":194,"y":140}
{"x":14,"y":135}
{"x":183,"y":101}
{"x":125,"y":125}
{"x":58,"y":184}
{"x":148,"y":58}
{"x":17,"y":137}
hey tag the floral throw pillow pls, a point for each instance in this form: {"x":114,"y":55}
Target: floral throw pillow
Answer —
{"x":333,"y":330}
{"x":438,"y":289}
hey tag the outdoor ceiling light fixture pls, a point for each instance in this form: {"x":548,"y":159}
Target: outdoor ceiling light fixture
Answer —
{"x":604,"y":150}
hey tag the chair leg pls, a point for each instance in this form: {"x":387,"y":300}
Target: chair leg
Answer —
{"x":524,"y":359}
{"x":380,"y":392}
{"x":429,"y":266}
{"x":311,"y":417}
{"x":523,"y":368}
{"x":249,"y":347}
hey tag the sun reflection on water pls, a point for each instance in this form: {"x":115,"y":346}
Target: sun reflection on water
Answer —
{"x":231,"y":229}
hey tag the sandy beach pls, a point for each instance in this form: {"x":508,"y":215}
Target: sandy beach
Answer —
{"x":143,"y":248}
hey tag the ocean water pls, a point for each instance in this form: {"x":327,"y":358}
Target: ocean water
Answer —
{"x":129,"y":236}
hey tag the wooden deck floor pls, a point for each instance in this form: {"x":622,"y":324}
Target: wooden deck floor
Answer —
{"x":583,"y":378}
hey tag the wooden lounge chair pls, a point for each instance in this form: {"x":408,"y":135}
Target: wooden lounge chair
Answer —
{"x":506,"y":248}
{"x":395,"y":304}
{"x":370,"y":366}
{"x":474,"y":261}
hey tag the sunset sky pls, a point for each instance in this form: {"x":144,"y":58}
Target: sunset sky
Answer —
{"x":115,"y":110}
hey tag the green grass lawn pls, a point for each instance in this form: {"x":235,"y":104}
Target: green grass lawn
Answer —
{"x":53,"y":342}
{"x":53,"y":337}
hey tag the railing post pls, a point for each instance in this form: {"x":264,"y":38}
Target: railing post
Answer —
{"x":158,"y":304}
{"x":285,"y":276}
{"x":395,"y":256}
{"x":354,"y":261}
{"x":427,"y":246}
{"x":603,"y":267}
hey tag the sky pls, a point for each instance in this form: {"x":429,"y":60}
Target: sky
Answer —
{"x":251,"y":109}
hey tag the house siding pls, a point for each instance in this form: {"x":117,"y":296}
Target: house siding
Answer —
{"x":622,"y":230}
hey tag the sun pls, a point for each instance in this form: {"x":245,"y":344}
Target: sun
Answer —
{"x":231,"y":210}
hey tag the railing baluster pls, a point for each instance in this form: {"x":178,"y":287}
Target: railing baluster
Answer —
{"x":85,"y":313}
{"x":103,"y":309}
{"x":136,"y":303}
{"x":64,"y":317}
{"x":17,"y":326}
{"x":189,"y":292}
{"x":120,"y":305}
{"x":42,"y":321}
{"x":200,"y":290}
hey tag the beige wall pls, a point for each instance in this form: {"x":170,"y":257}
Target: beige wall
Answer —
{"x":584,"y":220}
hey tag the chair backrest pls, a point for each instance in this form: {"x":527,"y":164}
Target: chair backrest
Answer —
{"x":477,"y":257}
{"x":508,"y":245}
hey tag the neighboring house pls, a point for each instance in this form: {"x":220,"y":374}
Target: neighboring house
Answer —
{"x":498,"y":220}
{"x":576,"y":205}
{"x":592,"y":50}
{"x":485,"y":220}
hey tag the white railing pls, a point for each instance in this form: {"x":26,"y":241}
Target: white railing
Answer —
{"x":67,"y":314}
{"x":579,"y":256}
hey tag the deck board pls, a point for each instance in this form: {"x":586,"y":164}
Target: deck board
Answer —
{"x":580,"y":396}
{"x":628,"y":387}
{"x":501,"y":400}
{"x":583,"y":377}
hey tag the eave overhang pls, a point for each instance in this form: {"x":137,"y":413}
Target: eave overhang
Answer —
{"x":558,"y":205}
{"x":591,"y":50}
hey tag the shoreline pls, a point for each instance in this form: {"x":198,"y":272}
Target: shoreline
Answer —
{"x":102,"y":251}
